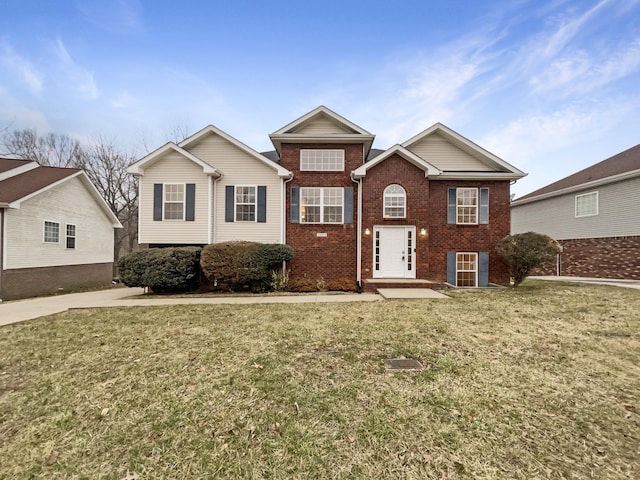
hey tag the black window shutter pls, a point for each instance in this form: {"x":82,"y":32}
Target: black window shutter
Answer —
{"x":295,"y":205}
{"x":190,"y":204}
{"x":157,"y":202}
{"x":484,"y":205}
{"x":483,"y":269}
{"x":229,"y":203}
{"x":451,"y":206}
{"x":262,"y":203}
{"x":348,"y":204}
{"x":451,"y":268}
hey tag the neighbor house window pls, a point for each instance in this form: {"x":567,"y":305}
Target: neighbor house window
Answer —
{"x":587,"y":204}
{"x":321,"y":205}
{"x":174,"y":201}
{"x":394,"y":202}
{"x":467,"y":269}
{"x":51,"y":232}
{"x":71,"y":236}
{"x":245,"y":204}
{"x":467,"y":205}
{"x":322,"y":160}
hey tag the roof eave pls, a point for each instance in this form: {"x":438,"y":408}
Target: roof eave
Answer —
{"x":449,"y":175}
{"x":278,"y":139}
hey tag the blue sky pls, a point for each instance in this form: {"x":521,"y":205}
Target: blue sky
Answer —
{"x":550,"y":86}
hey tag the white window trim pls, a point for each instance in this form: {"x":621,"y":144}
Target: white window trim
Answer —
{"x":322,"y":205}
{"x":384,"y":201}
{"x":44,"y":235}
{"x":477,"y":190}
{"x":341,"y":151}
{"x":586,"y":195}
{"x":235,"y":203}
{"x":67,"y":236}
{"x":475,"y":271}
{"x":184,"y":201}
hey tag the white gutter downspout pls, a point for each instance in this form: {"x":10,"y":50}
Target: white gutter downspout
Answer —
{"x":359,"y":234}
{"x":213,"y":209}
{"x":283,"y":218}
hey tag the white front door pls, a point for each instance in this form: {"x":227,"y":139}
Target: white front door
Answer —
{"x":394,"y":252}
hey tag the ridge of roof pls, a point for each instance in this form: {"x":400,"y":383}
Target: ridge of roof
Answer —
{"x":620,"y":163}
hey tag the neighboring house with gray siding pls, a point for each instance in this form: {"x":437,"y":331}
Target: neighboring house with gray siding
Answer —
{"x":56,"y":231}
{"x":594,"y":213}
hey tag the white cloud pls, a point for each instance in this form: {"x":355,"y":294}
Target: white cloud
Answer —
{"x":29,"y":74}
{"x":80,"y":78}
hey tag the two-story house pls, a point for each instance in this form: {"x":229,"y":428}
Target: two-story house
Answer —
{"x":430,"y":209}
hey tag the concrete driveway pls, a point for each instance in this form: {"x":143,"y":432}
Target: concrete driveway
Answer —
{"x":595,"y":281}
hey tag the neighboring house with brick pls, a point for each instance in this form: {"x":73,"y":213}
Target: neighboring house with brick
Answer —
{"x":594,"y":214}
{"x":431,"y":209}
{"x":56,"y":231}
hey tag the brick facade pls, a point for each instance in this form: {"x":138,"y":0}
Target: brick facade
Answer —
{"x":322,"y":251}
{"x":426,"y":202}
{"x":612,"y":257}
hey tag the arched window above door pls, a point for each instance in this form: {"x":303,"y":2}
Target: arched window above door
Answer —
{"x":395,"y":201}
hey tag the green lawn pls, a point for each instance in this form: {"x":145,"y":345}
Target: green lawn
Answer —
{"x":542,"y":382}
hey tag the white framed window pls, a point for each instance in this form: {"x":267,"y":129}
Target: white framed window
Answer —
{"x":395,"y":199}
{"x":71,"y":236}
{"x":173,"y":205}
{"x":467,"y":269}
{"x":246,"y":201}
{"x":467,"y":206}
{"x":587,"y":204}
{"x":51,"y":232}
{"x":321,"y":160}
{"x":321,"y":204}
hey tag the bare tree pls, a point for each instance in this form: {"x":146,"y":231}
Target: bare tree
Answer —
{"x":53,"y":149}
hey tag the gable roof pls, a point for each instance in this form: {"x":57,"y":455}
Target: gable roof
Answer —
{"x":210,"y":129}
{"x":499,"y":168}
{"x":411,"y":157}
{"x":26,"y":184}
{"x":353,"y":133}
{"x":138,"y":167}
{"x":624,"y":165}
{"x":12,"y":166}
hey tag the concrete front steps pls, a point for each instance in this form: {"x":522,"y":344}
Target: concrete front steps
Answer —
{"x":374,"y":284}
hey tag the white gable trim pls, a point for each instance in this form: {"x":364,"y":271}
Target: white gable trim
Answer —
{"x":88,"y":184}
{"x":318,"y":111}
{"x":18,"y":170}
{"x":138,"y":167}
{"x":281,"y":171}
{"x":453,"y":136}
{"x":429,"y":169}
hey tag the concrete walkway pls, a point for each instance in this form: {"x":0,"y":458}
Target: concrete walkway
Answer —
{"x":596,"y":281}
{"x":20,"y":310}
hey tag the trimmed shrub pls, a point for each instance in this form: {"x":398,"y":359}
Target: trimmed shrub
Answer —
{"x":525,"y":251}
{"x":342,"y":284}
{"x":171,"y":269}
{"x":243,"y":265}
{"x":302,"y":284}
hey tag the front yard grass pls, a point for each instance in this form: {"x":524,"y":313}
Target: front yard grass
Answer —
{"x":541,"y":382}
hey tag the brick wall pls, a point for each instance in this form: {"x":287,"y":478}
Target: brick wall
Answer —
{"x":332,"y":255}
{"x":445,"y":238}
{"x":612,"y":257}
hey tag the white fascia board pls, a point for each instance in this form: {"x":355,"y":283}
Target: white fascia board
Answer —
{"x":317,"y":111}
{"x":18,"y":170}
{"x":93,"y":191}
{"x":453,"y":135}
{"x":138,"y":167}
{"x":281,"y":171}
{"x":449,"y":175}
{"x":576,"y":188}
{"x":429,"y":169}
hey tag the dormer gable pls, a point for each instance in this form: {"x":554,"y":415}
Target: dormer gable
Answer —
{"x":321,"y":125}
{"x":139,"y":167}
{"x":429,"y":169}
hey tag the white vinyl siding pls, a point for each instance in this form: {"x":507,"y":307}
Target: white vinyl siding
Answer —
{"x":322,"y":125}
{"x":176,"y":169}
{"x":321,"y":160}
{"x":587,"y":204}
{"x":618,"y":214}
{"x":24,"y":233}
{"x":441,"y":153}
{"x":240,"y":168}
